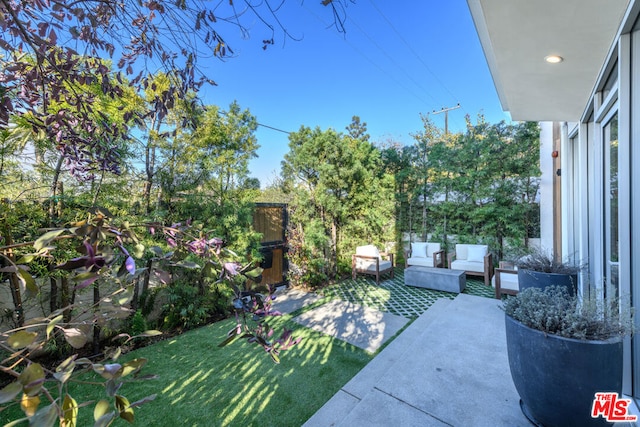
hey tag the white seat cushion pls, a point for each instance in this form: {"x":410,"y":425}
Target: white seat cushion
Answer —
{"x":422,"y":262}
{"x":508,"y":281}
{"x":467,"y":265}
{"x":370,"y":265}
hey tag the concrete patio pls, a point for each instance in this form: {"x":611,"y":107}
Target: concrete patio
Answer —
{"x":448,"y":368}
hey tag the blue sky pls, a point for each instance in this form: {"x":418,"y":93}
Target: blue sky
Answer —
{"x":397,"y":60}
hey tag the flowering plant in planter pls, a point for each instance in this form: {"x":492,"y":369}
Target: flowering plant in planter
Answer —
{"x":540,"y":269}
{"x":545,"y":263}
{"x":562,"y":351}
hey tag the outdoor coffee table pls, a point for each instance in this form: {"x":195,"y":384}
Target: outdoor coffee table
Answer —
{"x":440,"y":279}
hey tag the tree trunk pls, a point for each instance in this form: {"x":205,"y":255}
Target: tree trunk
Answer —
{"x":65,"y":299}
{"x":54,"y":189}
{"x":149,"y":167}
{"x":96,"y":327}
{"x":53,"y":298}
{"x":147,"y":276}
{"x":97,"y":192}
{"x":14,"y":283}
{"x":334,"y":249}
{"x":410,"y":221}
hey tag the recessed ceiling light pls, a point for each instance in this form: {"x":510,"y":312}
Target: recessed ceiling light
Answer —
{"x":553,"y":59}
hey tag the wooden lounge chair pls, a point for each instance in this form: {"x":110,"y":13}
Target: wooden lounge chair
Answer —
{"x":368,"y":260}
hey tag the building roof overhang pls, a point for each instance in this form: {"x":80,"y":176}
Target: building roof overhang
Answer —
{"x":517,"y":35}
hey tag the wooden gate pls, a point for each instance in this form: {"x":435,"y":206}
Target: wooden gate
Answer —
{"x":271,"y":220}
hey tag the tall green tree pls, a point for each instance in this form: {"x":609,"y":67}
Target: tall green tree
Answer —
{"x":425,"y":140}
{"x":339,"y":188}
{"x":486,"y":182}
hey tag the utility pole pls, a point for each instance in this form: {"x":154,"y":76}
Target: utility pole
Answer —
{"x":446,"y":110}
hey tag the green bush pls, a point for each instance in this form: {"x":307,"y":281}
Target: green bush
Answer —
{"x":184,"y":308}
{"x":138,"y":323}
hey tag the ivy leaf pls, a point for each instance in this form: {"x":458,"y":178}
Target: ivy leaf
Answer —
{"x":52,"y":324}
{"x":125,"y":296}
{"x":21,"y":339}
{"x":29,"y":404}
{"x":100,"y":410}
{"x":46,"y":417}
{"x":126,"y":411}
{"x":47,"y":238}
{"x":108,"y":371}
{"x":31,"y":379}
{"x":65,"y":369}
{"x":69,"y":412}
{"x":75,"y":337}
{"x":26,"y":259}
{"x":28,"y":280}
{"x":231,"y":335}
{"x":86,"y":279}
{"x":112,"y":387}
{"x":105,"y":420}
{"x":8,"y":393}
{"x":132,"y":366}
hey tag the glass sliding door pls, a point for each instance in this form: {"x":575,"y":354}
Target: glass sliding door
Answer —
{"x":611,"y":203}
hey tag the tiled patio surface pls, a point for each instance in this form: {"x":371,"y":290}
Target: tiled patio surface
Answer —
{"x":393,"y":296}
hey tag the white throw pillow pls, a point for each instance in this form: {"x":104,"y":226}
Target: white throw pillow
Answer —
{"x":431,"y":248}
{"x":368,"y":250}
{"x":418,"y":250}
{"x":476,"y":253}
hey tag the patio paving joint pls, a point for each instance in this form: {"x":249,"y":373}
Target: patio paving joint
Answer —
{"x":404,"y":402}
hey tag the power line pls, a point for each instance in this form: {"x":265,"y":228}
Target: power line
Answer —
{"x":272,"y":128}
{"x":370,"y":60}
{"x":393,"y":61}
{"x":224,"y":113}
{"x":411,"y":49}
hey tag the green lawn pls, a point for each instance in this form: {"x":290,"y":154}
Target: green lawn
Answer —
{"x":201,"y":384}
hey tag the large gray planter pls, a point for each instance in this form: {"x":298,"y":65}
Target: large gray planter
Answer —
{"x":557,"y":377}
{"x":541,"y":280}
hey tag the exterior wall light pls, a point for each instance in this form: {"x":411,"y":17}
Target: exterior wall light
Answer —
{"x":553,"y":59}
{"x":554,"y":153}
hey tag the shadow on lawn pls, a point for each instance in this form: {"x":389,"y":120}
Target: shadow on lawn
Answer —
{"x":201,"y":384}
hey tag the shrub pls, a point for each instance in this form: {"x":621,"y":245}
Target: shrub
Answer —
{"x":184,"y":308}
{"x":138,"y":323}
{"x":554,"y":311}
{"x":544,"y":262}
